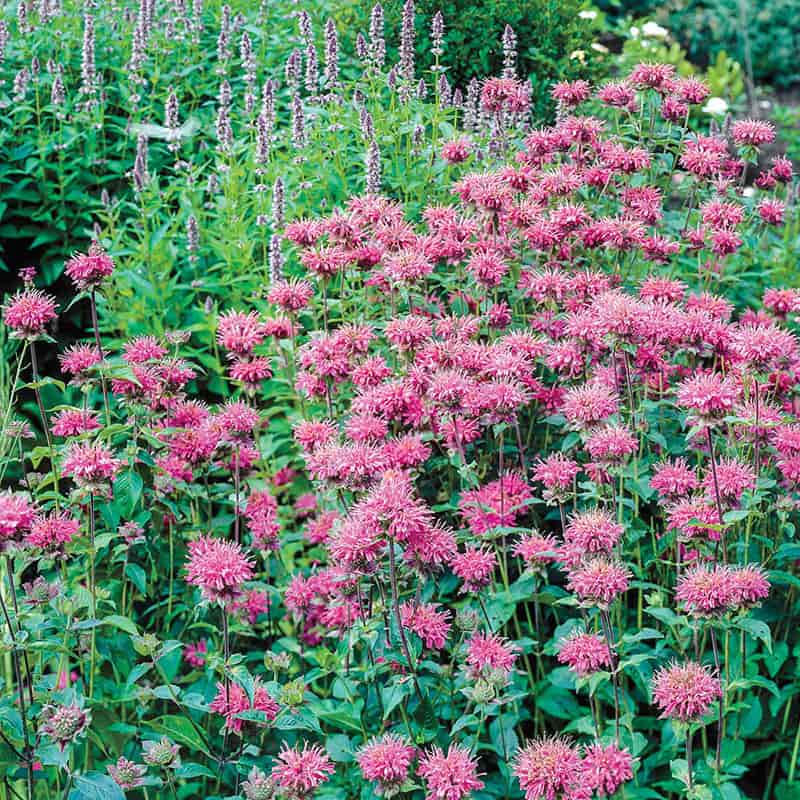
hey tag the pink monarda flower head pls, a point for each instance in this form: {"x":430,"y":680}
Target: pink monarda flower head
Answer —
{"x":611,"y":444}
{"x":74,"y":422}
{"x":674,"y":479}
{"x":749,"y":586}
{"x":571,"y":93}
{"x":490,"y":656}
{"x":708,"y":396}
{"x":584,"y":653}
{"x":599,"y":581}
{"x":557,"y":472}
{"x":475,"y":567}
{"x":771,"y":211}
{"x":143,"y":349}
{"x":195,"y":654}
{"x":685,"y":692}
{"x":89,"y":270}
{"x":536,"y":550}
{"x":457,"y":150}
{"x":430,"y":624}
{"x":90,"y":464}
{"x":386,"y":760}
{"x":752,"y":132}
{"x":17,"y":515}
{"x":450,"y":776}
{"x":64,"y":724}
{"x":606,"y":768}
{"x":301,"y":772}
{"x":733,"y":477}
{"x":504,"y":94}
{"x":218,"y":568}
{"x":593,"y":531}
{"x":653,"y":76}
{"x":706,"y":591}
{"x":51,"y":532}
{"x":28,"y":313}
{"x":78,"y":359}
{"x":127,"y":774}
{"x":291,"y":296}
{"x":586,"y":406}
{"x":232,"y":700}
{"x":550,"y":769}
{"x":240,"y":333}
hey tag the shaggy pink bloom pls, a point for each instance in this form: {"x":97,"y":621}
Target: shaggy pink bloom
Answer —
{"x":386,"y":760}
{"x":704,"y":156}
{"x":708,"y":395}
{"x":143,"y":349}
{"x":685,"y":692}
{"x":451,"y":776}
{"x":457,"y":150}
{"x":719,"y":214}
{"x":607,"y":768}
{"x":657,"y":288}
{"x":488,"y":653}
{"x":504,"y":94}
{"x":313,"y":433}
{"x":78,"y":359}
{"x":691,"y":518}
{"x":752,"y":132}
{"x":218,"y":568}
{"x":599,"y":581}
{"x":236,"y":418}
{"x":52,"y":531}
{"x":88,"y":270}
{"x":240,"y":333}
{"x":28,"y":313}
{"x":750,"y":586}
{"x":195,"y":654}
{"x":733,"y":477}
{"x":292,"y":296}
{"x":593,"y":531}
{"x":431,"y":625}
{"x":487,"y":267}
{"x":772,"y":212}
{"x":724,"y":242}
{"x":706,"y":590}
{"x":611,"y":444}
{"x":557,"y":473}
{"x":618,"y":95}
{"x":652,"y":76}
{"x":301,"y":772}
{"x":692,"y":90}
{"x":550,"y":769}
{"x":585,"y":406}
{"x":127,"y":774}
{"x":408,"y":333}
{"x":584,"y":653}
{"x":304,"y":232}
{"x":674,"y":479}
{"x":496,"y":504}
{"x":232,"y":700}
{"x":764,"y":347}
{"x":408,"y":266}
{"x":537,"y":550}
{"x":90,"y":463}
{"x":16,"y":516}
{"x":475,"y":567}
{"x":251,"y":372}
{"x":74,"y":422}
{"x":570,"y":93}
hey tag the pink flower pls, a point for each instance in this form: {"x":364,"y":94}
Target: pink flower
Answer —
{"x":28,"y":313}
{"x":733,"y":478}
{"x":53,"y":531}
{"x":706,"y":591}
{"x":457,"y":150}
{"x":291,"y":296}
{"x":488,"y":653}
{"x":424,"y":619}
{"x":537,"y":550}
{"x":652,"y":76}
{"x":127,"y":774}
{"x":17,"y":515}
{"x":451,"y":776}
{"x":557,"y":473}
{"x":584,"y":653}
{"x":772,"y":211}
{"x":504,"y":94}
{"x":386,"y":760}
{"x":704,"y":156}
{"x":90,"y":463}
{"x":752,"y":132}
{"x":240,"y":333}
{"x":674,"y":479}
{"x":599,"y":581}
{"x":300,"y":772}
{"x":607,"y":768}
{"x":585,"y":406}
{"x":143,"y":349}
{"x":232,"y":700}
{"x":195,"y":654}
{"x":78,"y":359}
{"x":475,"y":567}
{"x":496,"y":504}
{"x":686,"y":691}
{"x":593,"y":531}
{"x":218,"y":568}
{"x":571,"y":93}
{"x":74,"y":422}
{"x":749,"y":586}
{"x":550,"y":769}
{"x":88,"y":270}
{"x":611,"y":444}
{"x":708,"y":395}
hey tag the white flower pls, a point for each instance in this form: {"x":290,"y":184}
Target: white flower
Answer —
{"x":588,"y":14}
{"x":634,"y":32}
{"x":654,"y":30}
{"x":715,"y":105}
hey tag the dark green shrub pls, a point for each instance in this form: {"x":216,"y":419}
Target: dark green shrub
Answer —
{"x":554,"y":42}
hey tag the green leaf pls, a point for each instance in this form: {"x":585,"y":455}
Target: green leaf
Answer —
{"x":181,"y":730}
{"x":123,"y":623}
{"x":95,"y":786}
{"x":758,"y":629}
